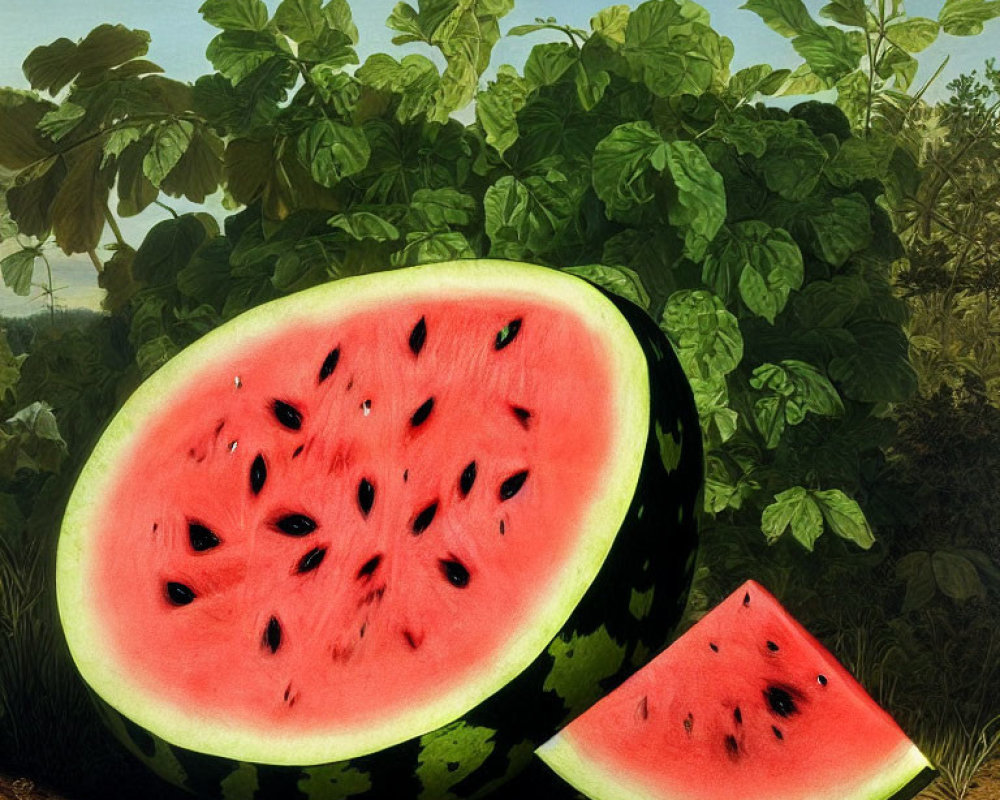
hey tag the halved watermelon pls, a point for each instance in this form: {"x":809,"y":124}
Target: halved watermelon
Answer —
{"x":746,"y":704}
{"x":404,"y":524}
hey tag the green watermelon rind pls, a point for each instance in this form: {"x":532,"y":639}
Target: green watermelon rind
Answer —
{"x":85,"y":632}
{"x":897,"y":778}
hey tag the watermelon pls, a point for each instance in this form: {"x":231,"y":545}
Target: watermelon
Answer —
{"x":746,"y":704}
{"x":384,"y":536}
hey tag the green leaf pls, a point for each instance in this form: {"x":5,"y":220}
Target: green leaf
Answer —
{"x":527,"y":216}
{"x":704,"y":332}
{"x":548,"y":62}
{"x":415,"y":79}
{"x":317,"y":31}
{"x":877,"y":369}
{"x":803,"y":81}
{"x":253,"y":104}
{"x":794,"y":159}
{"x":845,"y":517}
{"x":428,"y":247}
{"x":830,"y":52}
{"x":751,"y":81}
{"x":793,"y":508}
{"x":899,"y":64}
{"x":438,"y":209}
{"x":590,"y":80}
{"x":913,"y":34}
{"x":847,"y":12}
{"x":78,"y":207}
{"x":842,"y":228}
{"x":623,"y":166}
{"x":611,"y":23}
{"x":620,"y":280}
{"x":51,"y":67}
{"x":497,"y":107}
{"x":769,"y":414}
{"x":956,"y":576}
{"x":764,"y":262}
{"x":916,"y":571}
{"x":168,"y":143}
{"x":62,"y":121}
{"x":235,"y":15}
{"x":338,"y":16}
{"x":167,"y":248}
{"x":711,"y":397}
{"x":198,"y":173}
{"x":39,"y":445}
{"x":18,"y":269}
{"x":787,"y":17}
{"x":746,"y":135}
{"x":10,"y":371}
{"x":701,"y":196}
{"x":364,"y":225}
{"x":332,"y":152}
{"x":966,"y":17}
{"x":853,"y":162}
{"x":236,"y":54}
{"x":21,"y":143}
{"x":118,"y":140}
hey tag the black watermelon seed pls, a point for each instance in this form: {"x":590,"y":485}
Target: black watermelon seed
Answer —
{"x":513,"y":485}
{"x":423,"y":520}
{"x":296,"y":524}
{"x":201,"y":538}
{"x":179,"y":594}
{"x":411,"y":640}
{"x":522,"y":414}
{"x":366,"y":496}
{"x":258,"y":474}
{"x":821,"y":679}
{"x":643,"y":708}
{"x":406,"y":475}
{"x":503,"y":528}
{"x":272,"y":635}
{"x":298,"y":451}
{"x":369,"y":567}
{"x":417,"y":336}
{"x":777,"y":732}
{"x":738,"y":715}
{"x":421,"y":414}
{"x":311,"y":560}
{"x":780,"y":701}
{"x":732,"y":746}
{"x":689,"y":722}
{"x":455,"y":571}
{"x":746,"y":599}
{"x":287,"y":415}
{"x":507,"y":334}
{"x":468,"y":478}
{"x":772,"y":646}
{"x":714,"y":646}
{"x":329,"y":364}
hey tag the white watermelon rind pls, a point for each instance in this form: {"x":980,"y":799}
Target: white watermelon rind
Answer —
{"x":606,"y":781}
{"x":90,"y":642}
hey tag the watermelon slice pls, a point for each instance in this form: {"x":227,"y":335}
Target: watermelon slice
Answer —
{"x":370,"y":525}
{"x":746,"y":704}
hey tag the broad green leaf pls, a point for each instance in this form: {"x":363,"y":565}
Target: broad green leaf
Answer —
{"x":620,"y":280}
{"x":317,"y":33}
{"x":235,"y":15}
{"x":21,"y":143}
{"x":548,"y":62}
{"x":746,"y":135}
{"x":438,"y":209}
{"x":913,"y":34}
{"x":842,"y":228}
{"x":611,"y":23}
{"x":10,"y":370}
{"x":758,"y":79}
{"x":967,"y":17}
{"x":916,"y":571}
{"x":78,"y":207}
{"x":57,"y":124}
{"x":803,"y":81}
{"x":956,"y":576}
{"x":769,"y":414}
{"x":198,"y":173}
{"x":899,"y":64}
{"x":830,"y":52}
{"x":847,"y":12}
{"x":168,"y":143}
{"x":135,"y":192}
{"x":793,"y":508}
{"x":236,"y":54}
{"x":590,"y":79}
{"x":853,"y":162}
{"x":623,"y":166}
{"x":787,"y":17}
{"x":301,"y":20}
{"x":428,"y":247}
{"x":18,"y":269}
{"x":415,"y":79}
{"x":332,"y":152}
{"x":449,"y":755}
{"x":579,"y":666}
{"x":845,"y":517}
{"x":497,"y":107}
{"x":334,"y":782}
{"x":364,"y":225}
{"x":118,"y":140}
{"x":813,"y":390}
{"x":704,"y":332}
{"x":40,"y":446}
{"x":338,"y":16}
{"x":793,"y":161}
{"x":167,"y":248}
{"x":526,"y":216}
{"x":764,"y":262}
{"x":51,"y":67}
{"x":877,"y":369}
{"x":701,"y":195}
{"x":711,"y":396}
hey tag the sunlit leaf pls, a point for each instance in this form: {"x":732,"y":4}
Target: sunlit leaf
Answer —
{"x":793,"y":508}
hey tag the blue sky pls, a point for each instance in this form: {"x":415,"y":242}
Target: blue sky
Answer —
{"x":180,"y":36}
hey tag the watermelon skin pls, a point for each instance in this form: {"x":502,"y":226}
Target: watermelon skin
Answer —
{"x":624,"y":616}
{"x":745,"y":704}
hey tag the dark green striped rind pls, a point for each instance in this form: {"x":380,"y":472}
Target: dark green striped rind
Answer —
{"x":625,"y":617}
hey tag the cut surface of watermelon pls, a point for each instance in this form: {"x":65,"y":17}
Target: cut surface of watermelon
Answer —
{"x":746,"y":704}
{"x":345,"y":520}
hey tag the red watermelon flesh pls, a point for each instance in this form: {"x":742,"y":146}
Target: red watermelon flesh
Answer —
{"x":350,"y":524}
{"x":746,"y":704}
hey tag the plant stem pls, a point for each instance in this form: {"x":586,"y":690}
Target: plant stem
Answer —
{"x":115,"y":228}
{"x":51,"y":291}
